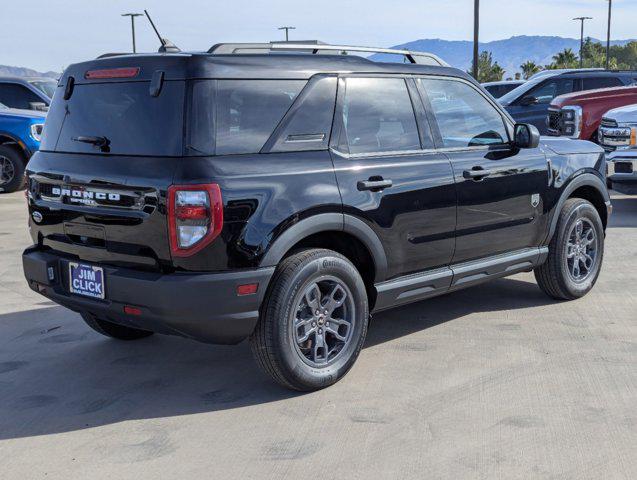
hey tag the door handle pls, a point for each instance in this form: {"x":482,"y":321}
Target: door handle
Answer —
{"x":375,"y":184}
{"x":476,"y":173}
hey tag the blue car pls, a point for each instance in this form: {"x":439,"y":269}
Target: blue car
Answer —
{"x":20,"y":133}
{"x":27,"y":93}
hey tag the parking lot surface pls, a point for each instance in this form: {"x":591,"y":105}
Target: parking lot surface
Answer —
{"x":497,"y":381}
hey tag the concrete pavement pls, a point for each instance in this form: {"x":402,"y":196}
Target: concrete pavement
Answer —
{"x":497,"y":381}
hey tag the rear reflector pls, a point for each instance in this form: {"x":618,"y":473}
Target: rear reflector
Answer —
{"x":188,"y":212}
{"x":128,"y":310}
{"x":247,"y":289}
{"x":127,"y":72}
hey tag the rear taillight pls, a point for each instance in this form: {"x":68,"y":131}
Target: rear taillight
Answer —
{"x":195,"y":217}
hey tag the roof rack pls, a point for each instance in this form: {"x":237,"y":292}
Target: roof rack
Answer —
{"x":315,"y":47}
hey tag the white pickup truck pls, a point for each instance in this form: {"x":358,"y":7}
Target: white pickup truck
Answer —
{"x":618,"y":136}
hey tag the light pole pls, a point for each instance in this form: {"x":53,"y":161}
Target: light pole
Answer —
{"x":132,"y":24}
{"x":610,"y":10}
{"x":287,"y":30}
{"x":581,"y":41}
{"x":476,"y":36}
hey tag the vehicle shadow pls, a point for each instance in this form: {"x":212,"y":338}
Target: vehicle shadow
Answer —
{"x":624,"y":212}
{"x":56,"y":375}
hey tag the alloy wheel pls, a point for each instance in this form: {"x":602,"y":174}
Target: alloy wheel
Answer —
{"x":7,"y":170}
{"x":323,"y":322}
{"x":581,"y":250}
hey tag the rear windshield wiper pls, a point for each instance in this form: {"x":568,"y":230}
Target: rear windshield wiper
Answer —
{"x":97,"y":141}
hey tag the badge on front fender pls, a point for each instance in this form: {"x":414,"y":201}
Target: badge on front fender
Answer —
{"x":535,"y":200}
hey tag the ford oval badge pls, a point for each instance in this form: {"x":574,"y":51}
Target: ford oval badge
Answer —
{"x":37,"y":217}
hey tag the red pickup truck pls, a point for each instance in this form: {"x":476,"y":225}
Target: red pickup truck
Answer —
{"x":579,"y":115}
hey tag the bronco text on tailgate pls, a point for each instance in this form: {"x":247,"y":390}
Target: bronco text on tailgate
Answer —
{"x":281,"y":198}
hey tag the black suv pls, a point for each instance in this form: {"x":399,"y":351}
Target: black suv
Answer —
{"x":284,"y":197}
{"x":529,"y":103}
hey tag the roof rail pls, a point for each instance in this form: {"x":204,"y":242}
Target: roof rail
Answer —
{"x":316,"y":47}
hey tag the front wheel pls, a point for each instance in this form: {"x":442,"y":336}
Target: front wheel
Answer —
{"x":11,"y":169}
{"x":575,"y":252}
{"x":313,"y":321}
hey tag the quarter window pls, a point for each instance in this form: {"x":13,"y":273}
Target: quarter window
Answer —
{"x":378,"y":116}
{"x":237,"y":116}
{"x":465,"y":118}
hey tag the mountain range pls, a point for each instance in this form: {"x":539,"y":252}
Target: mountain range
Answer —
{"x":509,"y":53}
{"x":8,"y":71}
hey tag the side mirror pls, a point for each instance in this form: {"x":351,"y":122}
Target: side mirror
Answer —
{"x":526,"y":136}
{"x":529,"y":100}
{"x":39,"y":106}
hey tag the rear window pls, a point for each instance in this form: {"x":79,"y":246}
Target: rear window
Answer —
{"x":134,"y":122}
{"x":237,"y":116}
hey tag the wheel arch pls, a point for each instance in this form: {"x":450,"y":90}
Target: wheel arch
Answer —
{"x":345,"y":234}
{"x":588,"y":187}
{"x":14,"y":142}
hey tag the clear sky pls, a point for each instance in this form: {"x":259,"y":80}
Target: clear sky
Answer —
{"x":50,"y":34}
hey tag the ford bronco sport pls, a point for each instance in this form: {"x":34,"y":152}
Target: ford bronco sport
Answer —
{"x":284,"y":197}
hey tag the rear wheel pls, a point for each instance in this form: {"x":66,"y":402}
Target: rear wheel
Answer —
{"x":313,"y":321}
{"x":11,"y":169}
{"x":114,"y":330}
{"x":575,"y":252}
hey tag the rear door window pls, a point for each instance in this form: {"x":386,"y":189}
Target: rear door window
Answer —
{"x":378,"y":116}
{"x":601,"y":82}
{"x":465,"y":118}
{"x":237,"y":116}
{"x":17,"y":96}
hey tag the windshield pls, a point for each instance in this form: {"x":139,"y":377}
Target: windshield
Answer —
{"x":519,"y":92}
{"x":45,"y":86}
{"x":123,"y":114}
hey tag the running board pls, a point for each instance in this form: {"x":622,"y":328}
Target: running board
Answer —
{"x":419,"y":286}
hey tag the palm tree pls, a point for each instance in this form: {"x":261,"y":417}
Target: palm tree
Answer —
{"x":496,"y":73}
{"x":565,"y":59}
{"x":529,"y":68}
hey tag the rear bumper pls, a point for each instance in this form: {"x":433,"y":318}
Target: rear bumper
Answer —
{"x":201,"y":306}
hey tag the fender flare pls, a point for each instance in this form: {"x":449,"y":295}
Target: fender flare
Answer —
{"x":21,"y":145}
{"x":583,"y":180}
{"x":325,"y":222}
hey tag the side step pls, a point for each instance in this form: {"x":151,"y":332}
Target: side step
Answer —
{"x":419,"y":286}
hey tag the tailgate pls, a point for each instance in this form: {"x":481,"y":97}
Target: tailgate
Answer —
{"x":108,"y":209}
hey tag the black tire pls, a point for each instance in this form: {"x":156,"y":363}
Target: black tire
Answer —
{"x":555,"y":277}
{"x":12,"y":164}
{"x":275,"y":341}
{"x":114,"y":330}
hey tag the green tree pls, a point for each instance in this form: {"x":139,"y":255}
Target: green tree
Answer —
{"x":565,"y":59}
{"x":594,"y":55}
{"x":626,"y":56}
{"x":488,"y":70}
{"x":529,"y":68}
